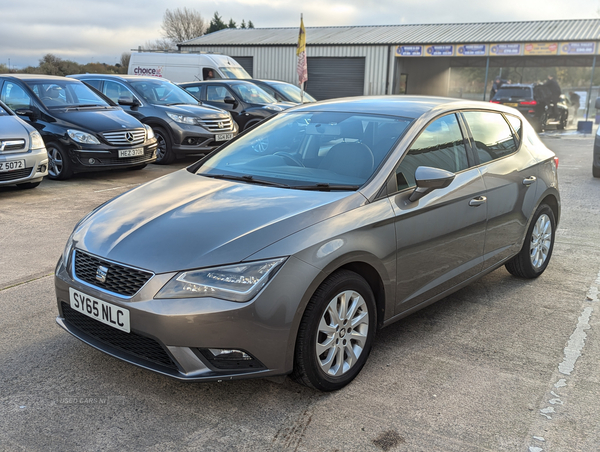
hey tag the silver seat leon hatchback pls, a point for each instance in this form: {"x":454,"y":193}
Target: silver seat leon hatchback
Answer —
{"x":284,"y":251}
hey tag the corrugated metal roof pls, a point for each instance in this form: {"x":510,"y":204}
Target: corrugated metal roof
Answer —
{"x":487,"y":32}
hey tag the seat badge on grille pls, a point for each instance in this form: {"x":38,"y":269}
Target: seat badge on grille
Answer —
{"x":101,"y":273}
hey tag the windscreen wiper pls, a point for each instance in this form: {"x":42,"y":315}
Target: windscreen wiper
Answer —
{"x":326,"y":187}
{"x":246,"y":178}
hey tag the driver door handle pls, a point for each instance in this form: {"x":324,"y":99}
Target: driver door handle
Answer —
{"x":477,"y":201}
{"x":530,"y":180}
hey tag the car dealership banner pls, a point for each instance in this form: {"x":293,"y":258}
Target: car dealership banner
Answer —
{"x":499,"y":49}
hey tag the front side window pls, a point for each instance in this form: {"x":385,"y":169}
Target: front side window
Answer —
{"x":217,"y":93}
{"x":309,"y":150}
{"x":492,"y":136}
{"x":114,"y":91}
{"x":440,"y":145}
{"x":15,"y":97}
{"x":252,"y":94}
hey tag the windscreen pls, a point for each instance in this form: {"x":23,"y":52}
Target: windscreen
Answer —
{"x":309,"y":149}
{"x":65,"y":94}
{"x":252,"y":94}
{"x":234,"y":72}
{"x":523,"y":92}
{"x":161,"y":92}
{"x":293,"y":92}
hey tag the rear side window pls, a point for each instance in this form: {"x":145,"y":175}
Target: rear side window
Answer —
{"x":440,"y":145}
{"x":492,"y":136}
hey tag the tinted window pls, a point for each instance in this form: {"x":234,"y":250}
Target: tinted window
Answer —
{"x":14,"y":96}
{"x":93,"y":83}
{"x":440,"y":145}
{"x":194,"y":91}
{"x":217,"y":93}
{"x":492,"y":137}
{"x":252,"y":94}
{"x":521,"y":93}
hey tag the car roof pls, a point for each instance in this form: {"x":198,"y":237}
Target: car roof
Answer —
{"x":398,"y":105}
{"x":227,"y":81}
{"x":37,"y":77}
{"x":117,"y":77}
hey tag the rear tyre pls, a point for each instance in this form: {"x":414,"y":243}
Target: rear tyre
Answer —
{"x":28,"y":185}
{"x":164,"y":149}
{"x":535,"y":254}
{"x":336,"y":332}
{"x":59,"y":165}
{"x":596,"y":171}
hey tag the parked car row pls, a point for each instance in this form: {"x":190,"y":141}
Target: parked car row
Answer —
{"x":92,"y":122}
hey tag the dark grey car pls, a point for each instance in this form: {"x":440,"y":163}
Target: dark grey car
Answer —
{"x":285,"y":251}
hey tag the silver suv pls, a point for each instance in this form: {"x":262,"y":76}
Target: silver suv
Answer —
{"x":23,"y":156}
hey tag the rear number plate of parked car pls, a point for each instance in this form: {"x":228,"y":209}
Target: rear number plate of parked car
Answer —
{"x":102,"y":311}
{"x":12,"y":165}
{"x":223,"y":136}
{"x":512,"y":104}
{"x":131,"y":152}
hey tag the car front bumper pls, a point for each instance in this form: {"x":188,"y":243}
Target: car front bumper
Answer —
{"x":193,"y":139}
{"x":105,"y":157}
{"x":36,"y":167}
{"x":173,"y":336}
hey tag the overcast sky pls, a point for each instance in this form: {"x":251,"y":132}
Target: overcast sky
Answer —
{"x":101,"y":30}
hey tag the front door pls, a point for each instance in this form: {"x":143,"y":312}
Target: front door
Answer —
{"x":439,"y":237}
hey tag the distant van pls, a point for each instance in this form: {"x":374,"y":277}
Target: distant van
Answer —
{"x":185,"y":67}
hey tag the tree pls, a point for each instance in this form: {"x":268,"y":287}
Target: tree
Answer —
{"x":250,"y":24}
{"x":182,"y":25}
{"x":243,"y":24}
{"x":125,"y":57}
{"x":216,"y":23}
{"x":159,"y":44}
{"x":231,"y":24}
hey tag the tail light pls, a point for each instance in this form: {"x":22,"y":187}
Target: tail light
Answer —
{"x":556,"y":162}
{"x":528,"y":102}
{"x":495,"y":101}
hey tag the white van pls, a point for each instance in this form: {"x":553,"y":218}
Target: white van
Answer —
{"x":185,"y":67}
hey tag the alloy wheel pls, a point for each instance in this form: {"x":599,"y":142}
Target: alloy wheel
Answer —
{"x":541,"y":239}
{"x":342,"y":333}
{"x":55,"y":162}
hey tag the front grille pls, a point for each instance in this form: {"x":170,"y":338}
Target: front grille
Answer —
{"x":11,"y":145}
{"x":119,"y":278}
{"x":125,"y":137}
{"x":131,"y":343}
{"x":16,"y":174}
{"x":217,"y":125}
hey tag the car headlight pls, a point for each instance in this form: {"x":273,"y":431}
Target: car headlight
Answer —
{"x":82,"y":137}
{"x":239,"y":282}
{"x":35,"y":141}
{"x":181,"y":118}
{"x":149,"y":132}
{"x":67,"y":252}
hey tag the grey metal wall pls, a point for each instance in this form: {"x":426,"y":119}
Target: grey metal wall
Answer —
{"x":279,"y":62}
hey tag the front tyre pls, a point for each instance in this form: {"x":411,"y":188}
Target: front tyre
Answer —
{"x":535,"y":254}
{"x":164,"y":148}
{"x":336,"y":332}
{"x":59,"y":165}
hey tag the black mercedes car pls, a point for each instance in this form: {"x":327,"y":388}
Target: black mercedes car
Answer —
{"x":247,"y":103}
{"x":535,"y":103}
{"x":81,"y":129}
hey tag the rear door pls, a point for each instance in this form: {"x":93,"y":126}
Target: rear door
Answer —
{"x":510,"y":181}
{"x":440,"y":237}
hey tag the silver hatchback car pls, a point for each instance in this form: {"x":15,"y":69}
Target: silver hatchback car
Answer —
{"x":284,"y":251}
{"x":23,"y":156}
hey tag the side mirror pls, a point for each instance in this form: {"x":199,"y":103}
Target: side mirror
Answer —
{"x":429,"y":179}
{"x":29,"y":113}
{"x":231,"y":101}
{"x":597,"y":104}
{"x":128,"y":100}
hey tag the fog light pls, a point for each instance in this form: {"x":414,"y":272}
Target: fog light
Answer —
{"x":234,"y":355}
{"x":41,"y":169}
{"x":92,"y":161}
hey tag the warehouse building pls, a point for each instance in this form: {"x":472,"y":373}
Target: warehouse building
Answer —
{"x":403,"y":59}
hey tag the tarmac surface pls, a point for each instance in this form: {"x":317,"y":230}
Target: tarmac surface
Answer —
{"x":501,"y":365}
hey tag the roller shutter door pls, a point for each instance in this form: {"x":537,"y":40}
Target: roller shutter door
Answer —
{"x":247,"y":63}
{"x":335,"y":77}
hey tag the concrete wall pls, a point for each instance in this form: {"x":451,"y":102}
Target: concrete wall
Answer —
{"x":426,"y":75}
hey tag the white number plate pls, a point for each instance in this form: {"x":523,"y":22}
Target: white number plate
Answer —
{"x":223,"y":136}
{"x":100,"y":310}
{"x":131,"y":152}
{"x":11,"y":165}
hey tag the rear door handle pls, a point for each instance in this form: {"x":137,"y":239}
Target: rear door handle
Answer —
{"x":477,"y":201}
{"x":530,"y":180}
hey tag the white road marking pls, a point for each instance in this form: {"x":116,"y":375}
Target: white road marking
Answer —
{"x":572,"y":352}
